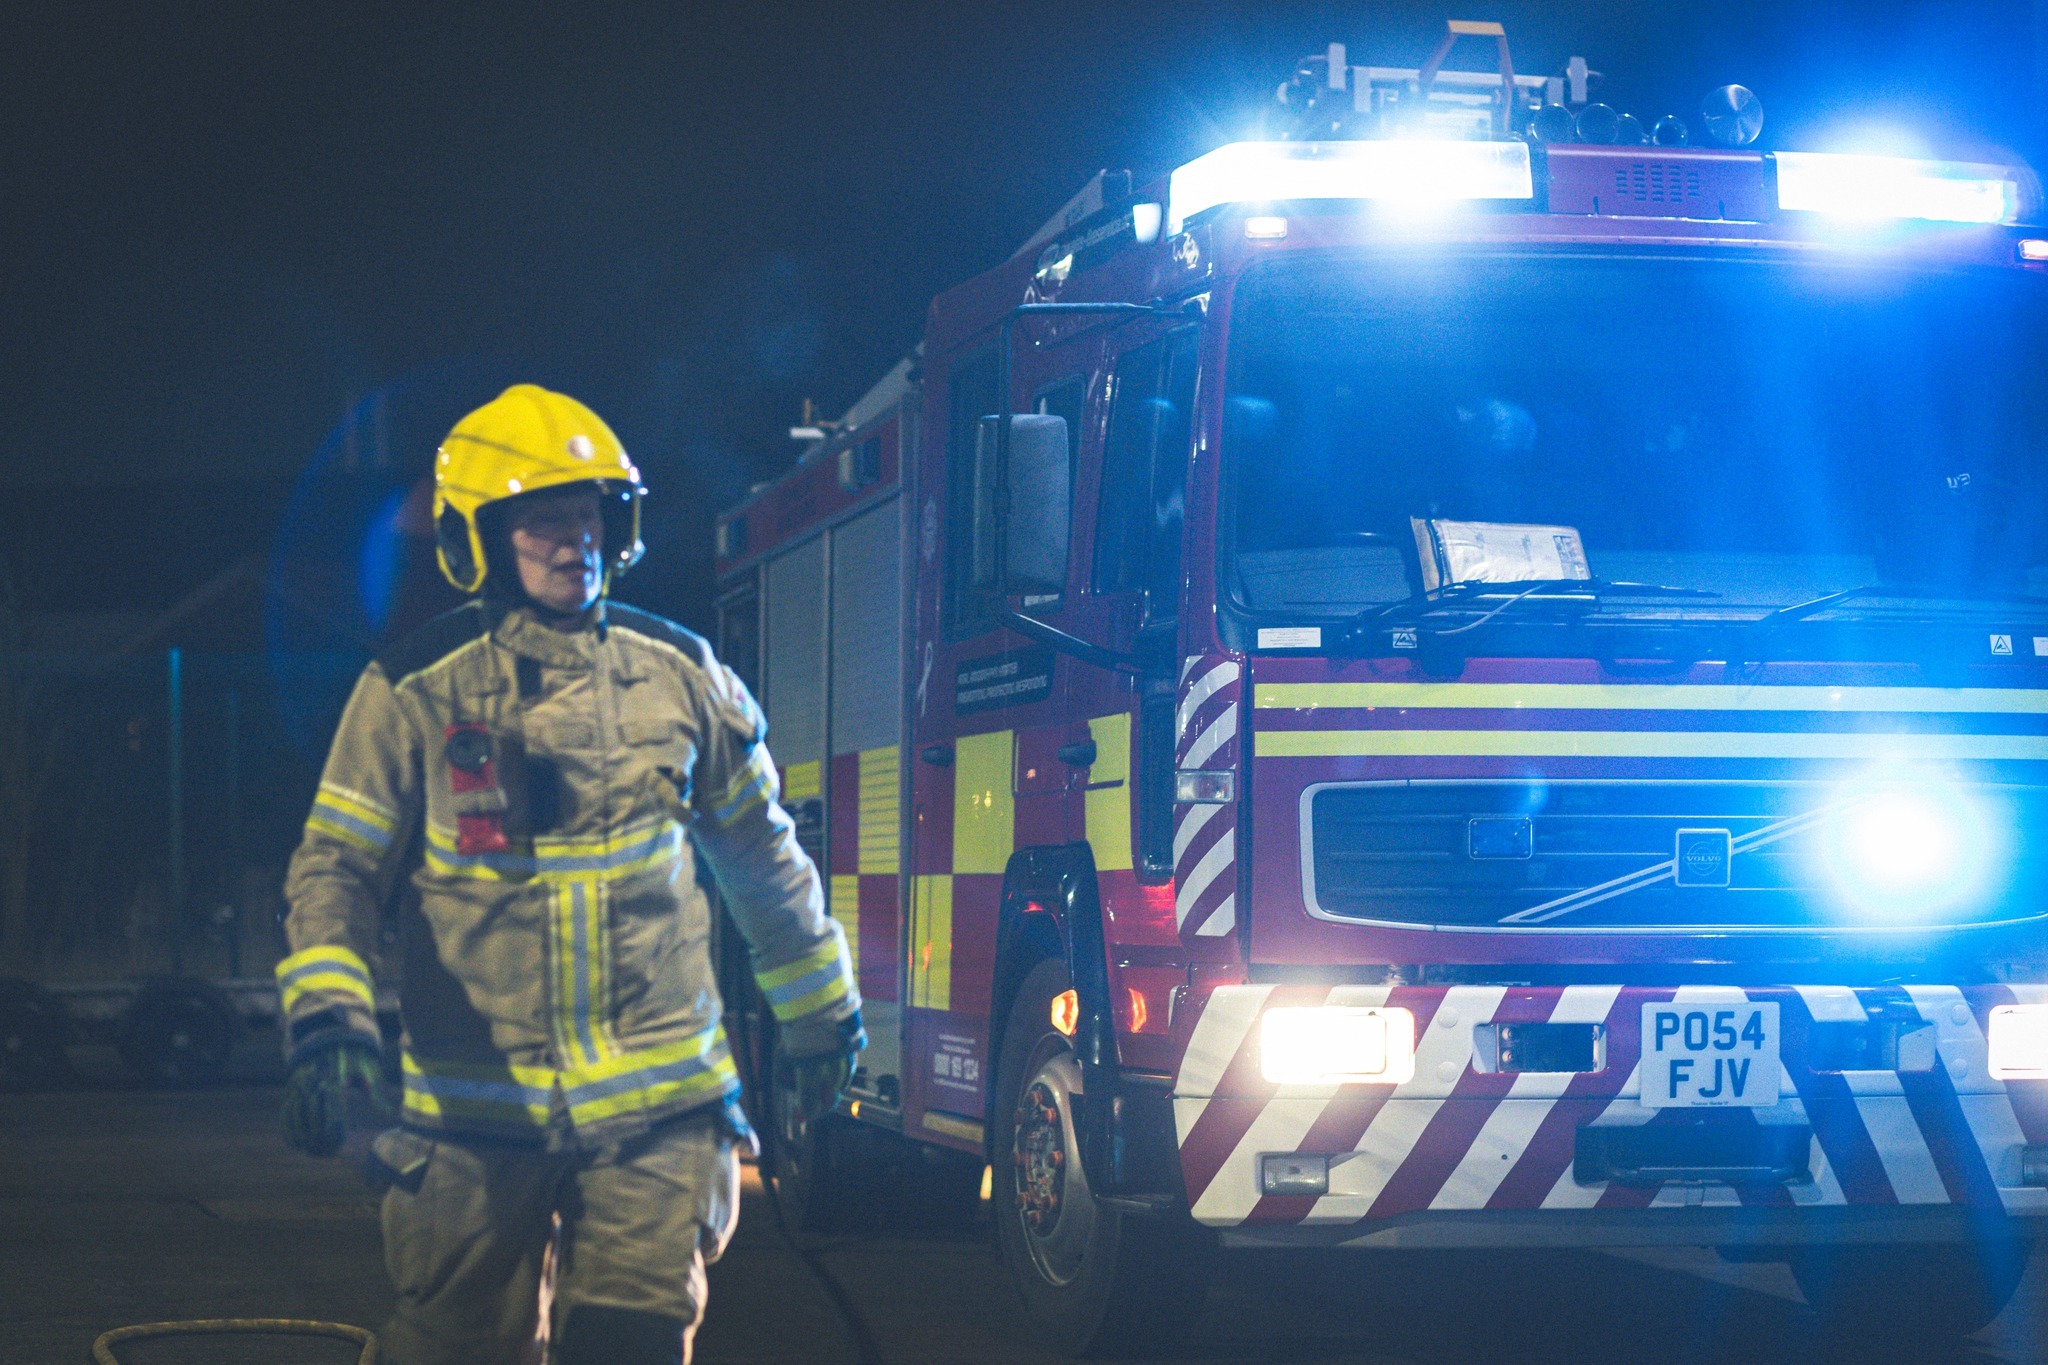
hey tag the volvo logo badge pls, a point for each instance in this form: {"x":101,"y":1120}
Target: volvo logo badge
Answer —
{"x":1702,"y":857}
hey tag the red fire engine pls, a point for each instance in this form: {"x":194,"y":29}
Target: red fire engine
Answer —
{"x":1472,"y":675}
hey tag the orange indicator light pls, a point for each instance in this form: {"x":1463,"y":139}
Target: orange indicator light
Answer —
{"x":1066,"y":1012}
{"x":1139,"y":1013}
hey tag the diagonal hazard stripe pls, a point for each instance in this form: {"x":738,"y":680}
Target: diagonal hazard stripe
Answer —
{"x":1539,"y":1177}
{"x":1222,"y":1124}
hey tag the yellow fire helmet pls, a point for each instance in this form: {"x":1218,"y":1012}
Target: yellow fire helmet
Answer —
{"x":526,"y":439}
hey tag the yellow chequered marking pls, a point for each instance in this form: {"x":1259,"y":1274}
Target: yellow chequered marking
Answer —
{"x":984,"y":810}
{"x":931,"y":952}
{"x":1642,"y":744}
{"x":845,"y":899}
{"x":1646,"y":697}
{"x":802,"y":781}
{"x":1108,"y":799}
{"x":879,"y":849}
{"x":328,"y":967}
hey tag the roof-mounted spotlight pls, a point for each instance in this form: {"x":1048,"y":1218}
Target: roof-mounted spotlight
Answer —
{"x":1734,"y":116}
{"x":1670,"y":131}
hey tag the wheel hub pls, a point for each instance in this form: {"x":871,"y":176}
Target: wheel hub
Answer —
{"x":1041,"y":1158}
{"x":1055,"y":1212}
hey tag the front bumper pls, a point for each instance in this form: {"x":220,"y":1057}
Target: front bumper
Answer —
{"x":1465,"y":1156}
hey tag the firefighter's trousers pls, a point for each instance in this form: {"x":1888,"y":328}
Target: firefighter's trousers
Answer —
{"x":467,"y":1227}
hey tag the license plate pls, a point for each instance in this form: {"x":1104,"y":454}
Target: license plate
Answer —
{"x":1709,"y":1056}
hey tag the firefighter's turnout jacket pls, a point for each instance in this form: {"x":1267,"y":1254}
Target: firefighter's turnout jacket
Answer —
{"x":548,"y":792}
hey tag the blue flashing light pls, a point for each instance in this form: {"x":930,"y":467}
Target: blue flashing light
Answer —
{"x":1844,"y":185}
{"x":1415,"y":172}
{"x":1898,"y":852}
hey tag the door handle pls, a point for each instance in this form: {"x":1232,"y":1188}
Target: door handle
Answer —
{"x":1079,"y":754}
{"x":938,"y":755}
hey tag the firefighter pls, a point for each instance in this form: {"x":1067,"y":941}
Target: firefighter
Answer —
{"x":535,"y":774}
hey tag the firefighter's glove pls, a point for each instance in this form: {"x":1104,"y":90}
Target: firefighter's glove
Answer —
{"x":316,"y":1095}
{"x":816,"y":1063}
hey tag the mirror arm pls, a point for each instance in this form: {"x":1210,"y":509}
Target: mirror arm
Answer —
{"x":1031,"y":628}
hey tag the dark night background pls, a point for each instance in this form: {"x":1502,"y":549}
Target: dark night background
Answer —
{"x":258,"y":258}
{"x":228,"y":222}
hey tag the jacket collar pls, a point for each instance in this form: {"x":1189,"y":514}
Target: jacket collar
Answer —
{"x":520,"y":630}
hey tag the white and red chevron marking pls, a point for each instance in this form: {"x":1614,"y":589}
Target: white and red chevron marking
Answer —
{"x":1207,"y":723}
{"x":1456,"y":1138}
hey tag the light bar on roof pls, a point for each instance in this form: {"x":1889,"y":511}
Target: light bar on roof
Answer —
{"x":1852,"y":186}
{"x":1418,"y":172}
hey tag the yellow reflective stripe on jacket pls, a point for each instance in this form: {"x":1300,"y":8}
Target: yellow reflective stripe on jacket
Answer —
{"x":641,"y":848}
{"x":500,"y":1096}
{"x":812,"y":982}
{"x":352,"y":818}
{"x":523,"y":1097}
{"x":582,"y":975}
{"x":749,"y":788}
{"x":325,"y":968}
{"x":651,"y":1078}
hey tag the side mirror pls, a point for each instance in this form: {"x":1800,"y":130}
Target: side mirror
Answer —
{"x":1038,"y":499}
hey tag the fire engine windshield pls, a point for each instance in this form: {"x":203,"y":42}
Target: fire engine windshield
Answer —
{"x":1761,"y":433}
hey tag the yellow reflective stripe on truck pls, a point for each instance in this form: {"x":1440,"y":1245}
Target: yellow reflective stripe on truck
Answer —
{"x":1640,"y":744}
{"x":1644,"y":697}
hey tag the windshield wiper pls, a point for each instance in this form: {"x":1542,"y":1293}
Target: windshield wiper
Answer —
{"x":1574,"y":592}
{"x":1924,"y":594}
{"x":1750,"y":635}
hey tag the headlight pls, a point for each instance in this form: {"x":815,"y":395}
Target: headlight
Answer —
{"x":2018,"y":1039}
{"x":1334,"y":1044}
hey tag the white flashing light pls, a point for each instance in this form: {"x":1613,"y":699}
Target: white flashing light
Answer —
{"x":1336,"y":1044}
{"x":1879,"y":187}
{"x":1405,"y":172}
{"x":2018,"y":1042}
{"x":1265,"y":227}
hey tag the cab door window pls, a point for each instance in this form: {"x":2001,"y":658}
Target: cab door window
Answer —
{"x":973,"y":595}
{"x":1144,"y":474}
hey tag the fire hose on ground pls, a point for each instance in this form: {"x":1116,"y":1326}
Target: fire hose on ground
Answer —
{"x":103,"y":1348}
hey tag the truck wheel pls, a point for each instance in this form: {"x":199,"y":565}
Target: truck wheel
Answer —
{"x":178,"y":1033}
{"x":1902,"y":1293}
{"x":811,"y":1167}
{"x":1095,"y":1280}
{"x":32,"y":1035}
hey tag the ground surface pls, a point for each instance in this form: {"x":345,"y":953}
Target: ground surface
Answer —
{"x":122,"y":1206}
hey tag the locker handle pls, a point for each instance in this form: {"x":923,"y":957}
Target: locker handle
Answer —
{"x":1079,"y":754}
{"x":938,"y":755}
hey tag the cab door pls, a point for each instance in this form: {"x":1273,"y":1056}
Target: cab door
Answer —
{"x":1130,"y":603}
{"x":993,"y":760}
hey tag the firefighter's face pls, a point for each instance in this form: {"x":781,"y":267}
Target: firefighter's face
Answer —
{"x":558,"y":542}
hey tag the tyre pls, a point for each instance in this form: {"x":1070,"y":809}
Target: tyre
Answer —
{"x":33,"y":1031}
{"x":1095,"y":1280}
{"x":1895,"y":1294}
{"x":178,"y":1034}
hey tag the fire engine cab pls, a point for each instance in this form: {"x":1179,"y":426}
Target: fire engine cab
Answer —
{"x":1474,"y":674}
